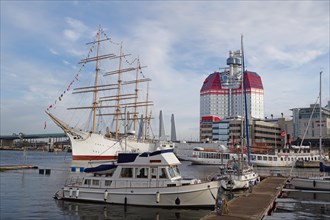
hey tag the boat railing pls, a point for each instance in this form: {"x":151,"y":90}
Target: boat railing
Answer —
{"x":74,"y":181}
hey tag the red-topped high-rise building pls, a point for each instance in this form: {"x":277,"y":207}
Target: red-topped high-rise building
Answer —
{"x":221,"y":94}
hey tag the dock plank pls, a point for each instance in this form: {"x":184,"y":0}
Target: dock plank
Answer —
{"x":254,"y":205}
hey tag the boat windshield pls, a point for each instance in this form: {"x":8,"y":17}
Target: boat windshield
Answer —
{"x":174,"y":171}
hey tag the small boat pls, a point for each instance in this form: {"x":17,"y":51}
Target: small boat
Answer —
{"x":238,"y":177}
{"x":319,"y":183}
{"x":146,"y":179}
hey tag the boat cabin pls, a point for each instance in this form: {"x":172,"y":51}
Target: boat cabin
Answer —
{"x":156,"y":169}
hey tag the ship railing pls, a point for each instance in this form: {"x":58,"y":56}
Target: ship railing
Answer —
{"x":74,"y":181}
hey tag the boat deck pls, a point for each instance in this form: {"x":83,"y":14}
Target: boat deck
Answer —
{"x":255,"y":205}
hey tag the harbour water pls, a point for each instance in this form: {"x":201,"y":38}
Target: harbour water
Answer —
{"x":26,"y":194}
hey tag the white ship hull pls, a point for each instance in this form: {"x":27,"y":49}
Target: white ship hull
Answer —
{"x":197,"y":195}
{"x":90,"y":146}
{"x":243,"y":181}
{"x":313,"y":183}
{"x":283,"y":159}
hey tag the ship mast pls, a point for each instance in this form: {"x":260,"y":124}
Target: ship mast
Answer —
{"x":95,"y":95}
{"x":117,"y":99}
{"x":320,"y":116}
{"x":136,"y":93}
{"x":118,"y":91}
{"x":147,"y":123}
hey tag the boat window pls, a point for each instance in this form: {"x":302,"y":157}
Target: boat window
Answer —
{"x":275,"y":158}
{"x":162,"y":173}
{"x":87,"y":182}
{"x":153,"y":172}
{"x":141,"y":172}
{"x":176,"y":170}
{"x":126,"y":172}
{"x":259,"y":158}
{"x":96,"y":182}
{"x":279,"y":150}
{"x":253,"y":157}
{"x":281,"y":158}
{"x":270,"y":158}
{"x":172,"y":171}
{"x":264,"y":158}
{"x":107,"y":182}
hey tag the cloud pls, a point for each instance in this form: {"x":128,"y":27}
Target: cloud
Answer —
{"x":181,"y":43}
{"x":53,"y":51}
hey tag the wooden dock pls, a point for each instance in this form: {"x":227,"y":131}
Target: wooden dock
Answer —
{"x":255,"y":205}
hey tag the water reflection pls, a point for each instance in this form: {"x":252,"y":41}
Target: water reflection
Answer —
{"x":108,"y":211}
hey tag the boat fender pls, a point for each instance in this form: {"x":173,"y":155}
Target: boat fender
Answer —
{"x":77,"y":193}
{"x":157,"y":197}
{"x":314,"y":183}
{"x":106,"y":195}
{"x":177,"y":201}
{"x":70,"y":193}
{"x":125,"y":201}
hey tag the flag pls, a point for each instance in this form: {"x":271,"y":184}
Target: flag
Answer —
{"x":283,"y":133}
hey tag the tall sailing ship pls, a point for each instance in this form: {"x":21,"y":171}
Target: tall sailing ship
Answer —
{"x":116,"y":97}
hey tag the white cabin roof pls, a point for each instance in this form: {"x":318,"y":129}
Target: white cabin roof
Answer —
{"x":159,"y":158}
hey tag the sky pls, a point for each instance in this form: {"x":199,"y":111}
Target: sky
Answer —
{"x":181,"y":42}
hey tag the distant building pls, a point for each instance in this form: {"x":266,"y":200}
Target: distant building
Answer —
{"x":269,"y":134}
{"x":306,"y":125}
{"x":206,"y":125}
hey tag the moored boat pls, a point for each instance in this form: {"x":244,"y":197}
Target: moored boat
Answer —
{"x":239,"y":176}
{"x":210,"y":157}
{"x":319,"y":183}
{"x":146,"y":179}
{"x":286,"y":157}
